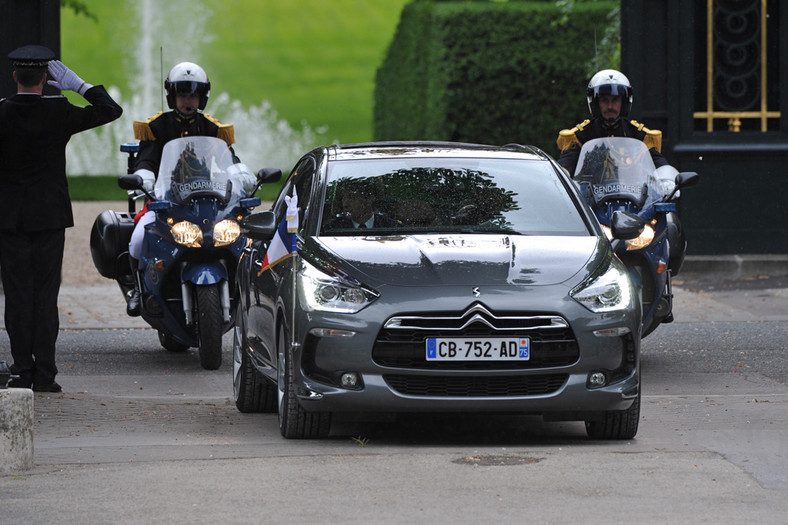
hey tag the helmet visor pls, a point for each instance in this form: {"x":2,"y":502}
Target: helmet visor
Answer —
{"x":185,"y":87}
{"x":611,"y":89}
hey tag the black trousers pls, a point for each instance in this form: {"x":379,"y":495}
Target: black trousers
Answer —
{"x":30,"y":264}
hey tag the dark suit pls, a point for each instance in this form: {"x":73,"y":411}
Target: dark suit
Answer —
{"x":346,"y":223}
{"x":35,"y":211}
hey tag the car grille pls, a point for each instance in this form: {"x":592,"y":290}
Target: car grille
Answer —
{"x":474,"y":386}
{"x":401,"y":342}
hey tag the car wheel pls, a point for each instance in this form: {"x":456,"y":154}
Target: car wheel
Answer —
{"x":294,"y":421}
{"x":616,"y":424}
{"x":251,"y":391}
{"x":170,"y":344}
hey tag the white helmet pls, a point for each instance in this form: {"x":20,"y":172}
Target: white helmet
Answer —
{"x":184,"y":78}
{"x":609,"y":82}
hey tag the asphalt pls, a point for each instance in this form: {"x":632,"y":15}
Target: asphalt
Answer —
{"x":709,"y":288}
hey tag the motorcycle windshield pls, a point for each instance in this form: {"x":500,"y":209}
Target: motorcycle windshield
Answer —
{"x":197,"y":167}
{"x":618,"y":168}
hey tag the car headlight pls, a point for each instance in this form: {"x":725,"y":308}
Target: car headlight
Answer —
{"x":226,"y":232}
{"x":606,"y":291}
{"x":187,"y":234}
{"x":321,"y":291}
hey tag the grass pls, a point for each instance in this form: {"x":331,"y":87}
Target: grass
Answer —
{"x":98,"y":188}
{"x":314,"y":61}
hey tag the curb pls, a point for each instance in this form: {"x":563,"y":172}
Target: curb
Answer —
{"x":736,"y":266}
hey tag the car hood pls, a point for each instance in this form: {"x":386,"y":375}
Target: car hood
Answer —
{"x":445,"y":260}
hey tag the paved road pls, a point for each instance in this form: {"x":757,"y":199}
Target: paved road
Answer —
{"x":141,"y":435}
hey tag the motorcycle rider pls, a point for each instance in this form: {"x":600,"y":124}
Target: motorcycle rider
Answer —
{"x":187,"y":87}
{"x":609,"y":96}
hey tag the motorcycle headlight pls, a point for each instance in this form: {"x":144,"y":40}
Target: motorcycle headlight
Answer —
{"x":320,"y":291}
{"x":606,"y":291}
{"x":643,"y":240}
{"x":226,"y":232}
{"x":187,"y":234}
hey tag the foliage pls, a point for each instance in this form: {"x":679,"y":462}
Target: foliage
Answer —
{"x":489,"y":72}
{"x":79,"y":8}
{"x":105,"y":188}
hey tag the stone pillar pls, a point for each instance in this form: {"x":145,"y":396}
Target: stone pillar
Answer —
{"x":16,"y":429}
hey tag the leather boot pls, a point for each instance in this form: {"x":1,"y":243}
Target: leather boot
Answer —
{"x":133,"y":305}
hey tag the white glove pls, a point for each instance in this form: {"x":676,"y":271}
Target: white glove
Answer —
{"x":242,"y":171}
{"x":65,"y":79}
{"x":148,"y":179}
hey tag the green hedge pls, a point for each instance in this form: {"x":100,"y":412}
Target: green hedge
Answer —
{"x":488,"y":72}
{"x":105,"y":188}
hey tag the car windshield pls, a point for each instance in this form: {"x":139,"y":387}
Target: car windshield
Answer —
{"x":193,"y":167}
{"x":618,"y":168}
{"x":465,"y":195}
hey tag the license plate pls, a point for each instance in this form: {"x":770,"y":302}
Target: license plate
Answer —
{"x":478,"y":349}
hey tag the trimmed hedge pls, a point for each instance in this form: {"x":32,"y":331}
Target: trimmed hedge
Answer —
{"x":487,"y":72}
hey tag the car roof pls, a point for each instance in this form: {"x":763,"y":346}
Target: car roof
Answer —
{"x":434,"y":149}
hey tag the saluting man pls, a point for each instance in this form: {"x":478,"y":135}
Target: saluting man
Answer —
{"x":36,"y":209}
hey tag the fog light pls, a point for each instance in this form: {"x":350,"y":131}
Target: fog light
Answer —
{"x":349,"y":380}
{"x":597,"y":379}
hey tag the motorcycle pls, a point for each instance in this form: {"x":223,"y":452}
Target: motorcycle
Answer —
{"x":617,"y":174}
{"x":190,"y":251}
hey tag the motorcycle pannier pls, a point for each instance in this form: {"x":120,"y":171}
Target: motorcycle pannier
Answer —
{"x":109,"y":242}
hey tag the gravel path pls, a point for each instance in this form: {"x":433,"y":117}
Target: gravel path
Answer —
{"x":78,"y":268}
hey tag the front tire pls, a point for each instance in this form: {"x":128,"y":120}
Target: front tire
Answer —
{"x":209,"y":326}
{"x":294,"y":421}
{"x":616,"y":424}
{"x":251,"y":392}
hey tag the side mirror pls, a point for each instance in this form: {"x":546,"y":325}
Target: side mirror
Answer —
{"x":687,"y":179}
{"x":625,"y":225}
{"x":260,"y":226}
{"x":268,"y":175}
{"x":130,"y":182}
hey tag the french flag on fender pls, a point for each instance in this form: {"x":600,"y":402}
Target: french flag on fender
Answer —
{"x":283,"y":245}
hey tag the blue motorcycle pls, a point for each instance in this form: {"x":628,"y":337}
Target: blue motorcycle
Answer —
{"x":190,"y":251}
{"x":617,"y":175}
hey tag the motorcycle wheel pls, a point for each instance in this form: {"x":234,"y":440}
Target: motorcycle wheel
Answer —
{"x":209,"y":326}
{"x":170,"y":344}
{"x":251,"y":392}
{"x":294,"y":421}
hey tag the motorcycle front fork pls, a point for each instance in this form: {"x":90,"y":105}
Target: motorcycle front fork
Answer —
{"x":187,"y":294}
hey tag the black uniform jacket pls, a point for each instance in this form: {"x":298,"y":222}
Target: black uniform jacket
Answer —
{"x":571,"y":140}
{"x":161,"y":128}
{"x":34,"y":131}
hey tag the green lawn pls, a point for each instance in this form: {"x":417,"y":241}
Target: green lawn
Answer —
{"x":313,"y":60}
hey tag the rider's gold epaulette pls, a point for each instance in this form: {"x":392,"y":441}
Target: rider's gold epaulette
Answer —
{"x":567,"y":137}
{"x":226,"y":132}
{"x":653,"y":138}
{"x":142,"y":130}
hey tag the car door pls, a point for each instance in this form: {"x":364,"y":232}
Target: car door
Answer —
{"x":270,"y":282}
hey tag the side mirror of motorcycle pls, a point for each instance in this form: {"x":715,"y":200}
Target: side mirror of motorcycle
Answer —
{"x":268,"y":175}
{"x":260,"y":226}
{"x":685,"y":179}
{"x":626,"y":225}
{"x":130,"y":182}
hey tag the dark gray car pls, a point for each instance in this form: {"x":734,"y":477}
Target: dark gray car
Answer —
{"x":436,"y":277}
